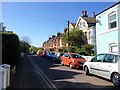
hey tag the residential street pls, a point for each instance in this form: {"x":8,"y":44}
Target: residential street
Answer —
{"x":26,"y":76}
{"x":37,"y":72}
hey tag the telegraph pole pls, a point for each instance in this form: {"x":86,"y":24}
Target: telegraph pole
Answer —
{"x":68,"y":35}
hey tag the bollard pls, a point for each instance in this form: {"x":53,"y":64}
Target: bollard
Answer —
{"x":6,"y":75}
{"x":3,"y":79}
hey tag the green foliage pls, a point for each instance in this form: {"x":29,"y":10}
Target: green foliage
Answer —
{"x":72,"y":49}
{"x":81,"y":51}
{"x":10,"y":49}
{"x":84,"y":50}
{"x":60,"y":50}
{"x":88,"y":49}
{"x":24,"y":46}
{"x":32,"y":48}
{"x":51,"y":49}
{"x":58,"y":33}
{"x":53,"y":36}
{"x":65,"y":30}
{"x":76,"y":38}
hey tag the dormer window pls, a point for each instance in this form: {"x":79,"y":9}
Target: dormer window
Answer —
{"x":112,"y":20}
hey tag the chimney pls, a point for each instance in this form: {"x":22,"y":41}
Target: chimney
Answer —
{"x":83,"y":13}
{"x":93,"y":14}
{"x":86,"y":14}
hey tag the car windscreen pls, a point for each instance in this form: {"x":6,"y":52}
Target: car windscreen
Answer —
{"x":76,"y":56}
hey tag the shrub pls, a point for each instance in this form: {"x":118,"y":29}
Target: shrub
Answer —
{"x":10,"y":49}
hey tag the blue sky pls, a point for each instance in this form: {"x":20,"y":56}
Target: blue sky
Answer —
{"x":39,"y":20}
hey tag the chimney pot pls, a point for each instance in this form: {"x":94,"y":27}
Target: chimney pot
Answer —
{"x":83,"y":13}
{"x":93,"y":14}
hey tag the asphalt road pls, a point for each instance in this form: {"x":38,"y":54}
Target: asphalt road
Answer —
{"x":59,"y":76}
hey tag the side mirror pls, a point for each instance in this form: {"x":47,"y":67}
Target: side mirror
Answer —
{"x":68,"y":57}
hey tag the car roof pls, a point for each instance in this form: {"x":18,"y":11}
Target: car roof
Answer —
{"x":111,"y":53}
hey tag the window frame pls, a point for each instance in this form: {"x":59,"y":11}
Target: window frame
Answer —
{"x":109,"y":61}
{"x":113,"y":45}
{"x":112,"y":21}
{"x":96,"y":58}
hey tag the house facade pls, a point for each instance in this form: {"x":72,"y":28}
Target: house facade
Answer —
{"x":88,"y":26}
{"x":71,"y":26}
{"x":108,"y":30}
{"x":91,"y":37}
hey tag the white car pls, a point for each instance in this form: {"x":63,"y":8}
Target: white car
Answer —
{"x":104,"y":65}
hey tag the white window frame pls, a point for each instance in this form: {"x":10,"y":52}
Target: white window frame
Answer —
{"x":115,"y":20}
{"x":113,"y":48}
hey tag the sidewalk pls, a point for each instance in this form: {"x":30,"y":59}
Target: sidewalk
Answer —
{"x":25,"y":76}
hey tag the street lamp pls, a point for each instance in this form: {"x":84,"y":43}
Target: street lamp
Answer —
{"x":68,"y":35}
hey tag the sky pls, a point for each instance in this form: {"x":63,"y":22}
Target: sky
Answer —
{"x":41,"y":20}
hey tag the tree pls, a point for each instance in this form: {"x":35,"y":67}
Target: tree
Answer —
{"x":25,"y":43}
{"x":65,"y":30}
{"x":53,"y":36}
{"x":32,"y":48}
{"x":26,"y":39}
{"x":76,"y":38}
{"x":58,"y":33}
{"x":88,"y":49}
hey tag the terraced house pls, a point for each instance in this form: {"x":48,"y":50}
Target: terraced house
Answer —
{"x":108,"y":30}
{"x":88,"y":26}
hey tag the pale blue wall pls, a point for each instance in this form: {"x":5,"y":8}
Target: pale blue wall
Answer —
{"x":104,"y":36}
{"x":105,"y":39}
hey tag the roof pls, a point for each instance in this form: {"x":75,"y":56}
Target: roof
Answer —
{"x":108,"y":8}
{"x":73,"y":24}
{"x":89,"y":19}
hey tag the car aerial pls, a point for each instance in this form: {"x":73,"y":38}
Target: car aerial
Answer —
{"x":73,"y":60}
{"x":104,"y":65}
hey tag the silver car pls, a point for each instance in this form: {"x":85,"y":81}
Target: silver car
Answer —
{"x":105,"y":65}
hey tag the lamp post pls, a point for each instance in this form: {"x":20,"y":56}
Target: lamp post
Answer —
{"x":68,"y":35}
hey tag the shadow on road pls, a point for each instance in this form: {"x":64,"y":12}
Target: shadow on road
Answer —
{"x":48,"y":67}
{"x":26,"y":77}
{"x":82,"y":85}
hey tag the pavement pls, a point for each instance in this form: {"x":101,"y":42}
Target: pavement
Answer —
{"x":25,"y":77}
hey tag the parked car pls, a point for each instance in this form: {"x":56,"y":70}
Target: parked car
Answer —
{"x":104,"y":65}
{"x":49,"y":55}
{"x":57,"y":57}
{"x":43,"y":54}
{"x":73,"y":60}
{"x":33,"y":52}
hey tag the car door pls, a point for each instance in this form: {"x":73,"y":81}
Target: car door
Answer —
{"x":64,"y":58}
{"x":107,"y":65}
{"x":95,"y":64}
{"x":68,"y":58}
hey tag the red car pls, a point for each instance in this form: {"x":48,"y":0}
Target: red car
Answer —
{"x":43,"y":54}
{"x":73,"y":60}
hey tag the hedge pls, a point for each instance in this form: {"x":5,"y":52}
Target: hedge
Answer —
{"x":10,"y":49}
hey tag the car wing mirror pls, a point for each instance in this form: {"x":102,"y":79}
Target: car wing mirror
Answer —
{"x":68,"y":57}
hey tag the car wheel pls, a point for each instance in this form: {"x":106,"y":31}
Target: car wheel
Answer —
{"x":71,"y":65}
{"x":62,"y":63}
{"x":116,"y":79}
{"x":86,"y":70}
